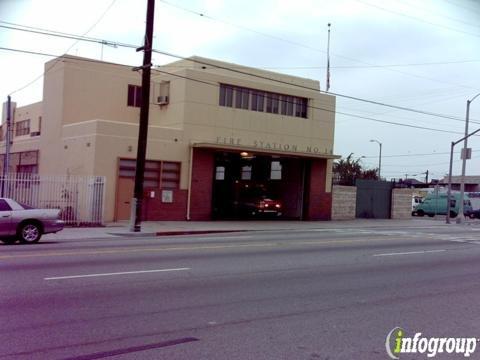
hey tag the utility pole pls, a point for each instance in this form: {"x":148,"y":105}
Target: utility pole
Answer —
{"x":6,"y":157}
{"x":136,"y":205}
{"x":465,"y":156}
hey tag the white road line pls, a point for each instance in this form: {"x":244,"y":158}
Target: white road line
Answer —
{"x":113,"y":274}
{"x":412,"y":252}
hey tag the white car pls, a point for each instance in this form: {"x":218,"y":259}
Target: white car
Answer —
{"x":24,"y":223}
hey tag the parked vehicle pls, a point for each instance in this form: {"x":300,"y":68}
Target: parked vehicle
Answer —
{"x":415,"y":201}
{"x":436,"y":204}
{"x":475,"y":214}
{"x":24,"y":223}
{"x":255,"y":202}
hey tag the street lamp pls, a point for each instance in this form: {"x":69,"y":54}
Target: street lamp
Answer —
{"x":464,"y":161}
{"x":379,"y":157}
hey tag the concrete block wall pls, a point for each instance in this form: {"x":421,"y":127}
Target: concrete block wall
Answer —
{"x":402,"y":203}
{"x":344,"y":199}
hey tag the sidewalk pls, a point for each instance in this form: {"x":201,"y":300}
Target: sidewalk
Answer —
{"x":170,"y":228}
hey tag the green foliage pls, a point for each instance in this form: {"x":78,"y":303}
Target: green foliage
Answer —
{"x":347,"y":170}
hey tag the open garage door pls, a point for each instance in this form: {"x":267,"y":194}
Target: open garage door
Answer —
{"x":250,"y":186}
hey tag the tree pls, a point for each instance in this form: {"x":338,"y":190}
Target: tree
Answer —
{"x":346,"y":171}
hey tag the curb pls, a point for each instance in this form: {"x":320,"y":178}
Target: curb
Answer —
{"x":194,"y":232}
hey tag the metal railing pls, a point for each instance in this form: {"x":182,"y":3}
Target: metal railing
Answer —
{"x":80,"y":198}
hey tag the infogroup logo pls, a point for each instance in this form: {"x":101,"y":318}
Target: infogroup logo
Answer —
{"x":397,"y":343}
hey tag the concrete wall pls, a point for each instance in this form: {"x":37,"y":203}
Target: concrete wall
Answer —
{"x":402,"y":203}
{"x":343,"y":202}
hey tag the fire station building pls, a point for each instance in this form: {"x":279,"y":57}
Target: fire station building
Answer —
{"x":218,"y":132}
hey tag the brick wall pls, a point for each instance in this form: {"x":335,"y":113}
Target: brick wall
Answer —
{"x":401,"y":203}
{"x":344,"y":200}
{"x":319,"y":202}
{"x":156,"y":210}
{"x":202,"y":185}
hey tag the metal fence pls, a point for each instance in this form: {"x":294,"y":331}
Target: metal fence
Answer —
{"x":80,"y":198}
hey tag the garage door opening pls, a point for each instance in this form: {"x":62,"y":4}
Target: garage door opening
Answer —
{"x":253,"y":186}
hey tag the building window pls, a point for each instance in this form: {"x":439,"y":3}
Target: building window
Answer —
{"x":22,"y":128}
{"x":220,"y":173}
{"x":275,"y":170}
{"x":287,"y":105}
{"x":241,"y":98}
{"x":301,"y":107}
{"x":246,"y":172}
{"x":273,"y":103}
{"x":226,"y":95}
{"x":257,"y":100}
{"x":27,"y":169}
{"x":134,"y":96}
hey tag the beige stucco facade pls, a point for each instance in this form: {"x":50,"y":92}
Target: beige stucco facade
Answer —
{"x":86,"y":125}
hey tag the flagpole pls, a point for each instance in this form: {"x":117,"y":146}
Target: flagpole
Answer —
{"x":327,"y":83}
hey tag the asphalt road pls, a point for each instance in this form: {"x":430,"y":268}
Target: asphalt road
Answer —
{"x":314,"y":294}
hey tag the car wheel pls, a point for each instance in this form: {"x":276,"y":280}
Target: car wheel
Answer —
{"x":29,"y":233}
{"x":431,"y":215}
{"x":420,"y":213}
{"x":453,"y":214}
{"x":9,"y":241}
{"x":472,"y":216}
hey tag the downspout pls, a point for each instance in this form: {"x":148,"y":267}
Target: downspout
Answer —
{"x":189,"y":182}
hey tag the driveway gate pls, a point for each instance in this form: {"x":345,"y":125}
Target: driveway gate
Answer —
{"x":373,"y":199}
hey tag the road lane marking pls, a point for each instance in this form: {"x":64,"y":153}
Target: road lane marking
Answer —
{"x":412,"y":252}
{"x":282,"y":243}
{"x":113,"y":274}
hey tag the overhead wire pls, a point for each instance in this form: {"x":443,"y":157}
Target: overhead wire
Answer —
{"x":71,"y":46}
{"x":403,"y":108}
{"x":217,"y":85}
{"x":417,"y":18}
{"x":320,"y":108}
{"x":203,"y":15}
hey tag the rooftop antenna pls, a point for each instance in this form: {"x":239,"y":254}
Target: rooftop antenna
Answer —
{"x":327,"y":86}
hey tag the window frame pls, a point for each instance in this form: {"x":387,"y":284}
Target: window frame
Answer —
{"x":20,"y":129}
{"x":134,"y":95}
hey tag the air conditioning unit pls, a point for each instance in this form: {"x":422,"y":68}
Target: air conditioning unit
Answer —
{"x":35,"y":133}
{"x":162,"y":100}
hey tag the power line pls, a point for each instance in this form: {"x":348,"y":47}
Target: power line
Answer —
{"x":203,"y":15}
{"x":196,"y":60}
{"x":438,"y":14}
{"x":65,"y":56}
{"x":217,"y":85}
{"x":71,"y":46}
{"x":417,"y":18}
{"x":370,"y":66}
{"x":100,"y":41}
{"x":323,"y":109}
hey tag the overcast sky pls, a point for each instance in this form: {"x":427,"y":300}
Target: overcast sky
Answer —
{"x":423,"y":55}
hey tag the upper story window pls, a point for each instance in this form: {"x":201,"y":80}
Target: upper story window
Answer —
{"x":242,"y":98}
{"x":22,"y":128}
{"x":134,"y":96}
{"x":258,"y":100}
{"x":226,"y":95}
